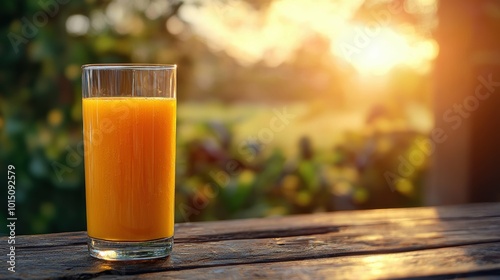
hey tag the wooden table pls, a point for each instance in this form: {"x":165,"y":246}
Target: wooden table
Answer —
{"x":434,"y":242}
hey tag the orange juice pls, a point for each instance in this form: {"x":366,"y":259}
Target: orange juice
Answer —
{"x":129,"y":167}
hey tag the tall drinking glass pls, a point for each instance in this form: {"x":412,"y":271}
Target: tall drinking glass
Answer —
{"x":129,"y":113}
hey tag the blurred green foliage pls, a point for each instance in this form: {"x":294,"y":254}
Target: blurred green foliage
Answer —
{"x":218,"y":177}
{"x":220,"y":183}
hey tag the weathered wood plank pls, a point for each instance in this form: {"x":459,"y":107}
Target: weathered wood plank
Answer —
{"x":288,"y":226}
{"x":215,"y":230}
{"x":443,"y":263}
{"x":393,"y":235}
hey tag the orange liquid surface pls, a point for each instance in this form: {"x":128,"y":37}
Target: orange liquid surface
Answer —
{"x":129,"y":167}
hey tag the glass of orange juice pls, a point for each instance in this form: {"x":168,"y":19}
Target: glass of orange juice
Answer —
{"x":129,"y":115}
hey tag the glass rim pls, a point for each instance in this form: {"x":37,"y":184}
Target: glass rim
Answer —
{"x":129,"y":66}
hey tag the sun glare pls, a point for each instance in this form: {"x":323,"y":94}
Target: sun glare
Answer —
{"x":274,"y":33}
{"x":378,"y":53}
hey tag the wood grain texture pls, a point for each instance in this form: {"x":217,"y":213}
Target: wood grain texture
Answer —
{"x":443,"y":263}
{"x":244,"y":247}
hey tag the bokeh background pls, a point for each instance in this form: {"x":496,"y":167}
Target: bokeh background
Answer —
{"x":284,"y":106}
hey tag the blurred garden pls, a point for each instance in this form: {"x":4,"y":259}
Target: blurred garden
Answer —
{"x":284,"y":106}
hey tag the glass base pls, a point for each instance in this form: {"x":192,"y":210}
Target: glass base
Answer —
{"x":127,"y":250}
